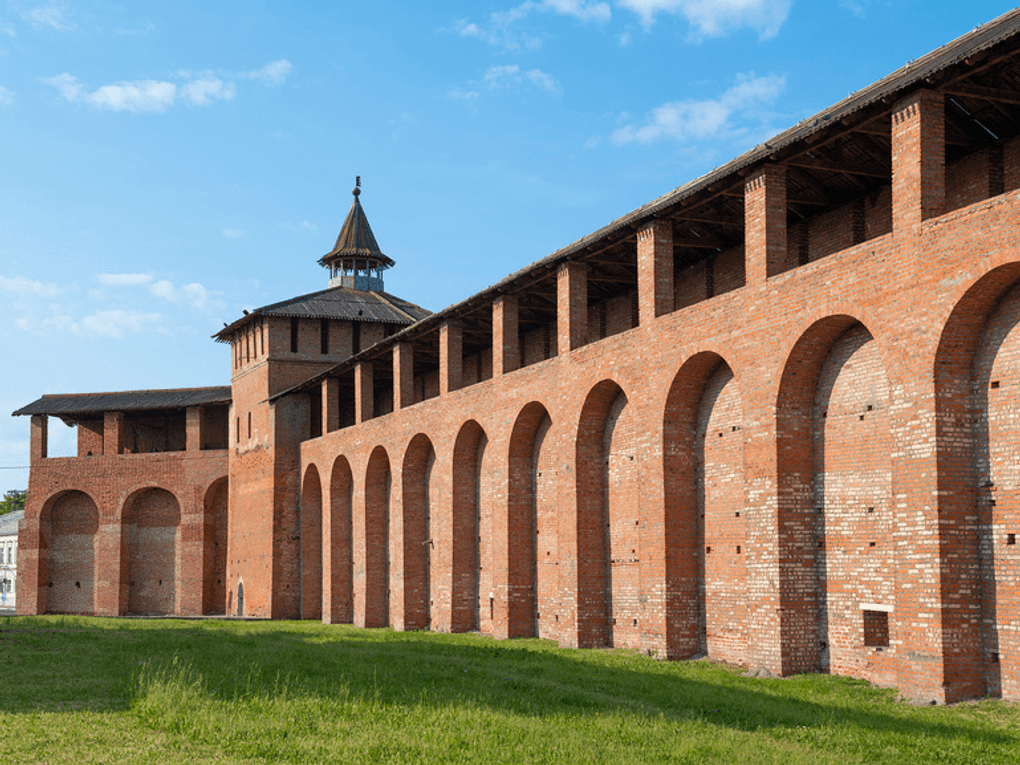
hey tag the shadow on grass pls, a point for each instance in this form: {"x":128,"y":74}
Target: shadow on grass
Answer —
{"x":66,"y":663}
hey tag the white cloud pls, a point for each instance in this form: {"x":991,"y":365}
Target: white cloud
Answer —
{"x":145,"y":95}
{"x":273,"y":73}
{"x":233,"y":233}
{"x":511,"y":75}
{"x":302,"y":226}
{"x":6,"y":96}
{"x":67,"y":84}
{"x":580,"y":9}
{"x":8,"y":29}
{"x":194,"y":294}
{"x":698,"y":120}
{"x":55,"y":15}
{"x":458,"y":94}
{"x":113,"y":323}
{"x":21,"y":285}
{"x":201,"y":92}
{"x":711,"y":18}
{"x":501,"y":30}
{"x":124,"y":280}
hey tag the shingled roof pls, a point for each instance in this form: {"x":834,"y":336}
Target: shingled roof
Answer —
{"x":80,"y":404}
{"x":337,"y":303}
{"x":356,"y":239}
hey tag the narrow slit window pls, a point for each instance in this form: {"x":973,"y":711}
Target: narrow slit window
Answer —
{"x":293,"y":335}
{"x":324,"y":336}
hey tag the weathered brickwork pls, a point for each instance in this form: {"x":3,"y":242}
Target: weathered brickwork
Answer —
{"x":771,"y":417}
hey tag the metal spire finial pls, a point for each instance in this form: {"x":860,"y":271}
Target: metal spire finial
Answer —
{"x":357,"y":185}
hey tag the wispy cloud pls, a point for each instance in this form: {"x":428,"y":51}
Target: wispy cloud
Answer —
{"x":124,"y":280}
{"x":54,"y":15}
{"x":502,"y":28}
{"x":711,"y":18}
{"x":511,"y":75}
{"x":273,"y":73}
{"x":233,"y":233}
{"x":302,"y":226}
{"x":205,"y":90}
{"x":8,"y":29}
{"x":6,"y":96}
{"x":21,"y":285}
{"x":157,"y":96}
{"x":460,"y":94}
{"x":712,"y":118}
{"x":194,"y":294}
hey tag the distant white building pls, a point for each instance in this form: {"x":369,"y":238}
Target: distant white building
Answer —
{"x":9,"y":557}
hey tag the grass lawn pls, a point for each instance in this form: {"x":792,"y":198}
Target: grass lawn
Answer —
{"x":84,"y":690}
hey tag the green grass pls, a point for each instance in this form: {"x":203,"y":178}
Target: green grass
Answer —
{"x":82,"y":690}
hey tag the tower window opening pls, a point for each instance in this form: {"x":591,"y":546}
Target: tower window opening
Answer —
{"x":324,"y":336}
{"x":293,"y":335}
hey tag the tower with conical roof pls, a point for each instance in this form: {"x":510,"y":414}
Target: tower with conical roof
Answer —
{"x":356,"y":262}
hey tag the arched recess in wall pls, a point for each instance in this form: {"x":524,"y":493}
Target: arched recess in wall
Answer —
{"x":214,"y":559}
{"x":339,"y":604}
{"x":472,"y":529}
{"x":310,"y":510}
{"x":372,"y":548}
{"x":152,"y":531}
{"x":977,"y":393}
{"x":608,"y":520}
{"x":71,"y":525}
{"x":834,"y":465}
{"x":418,"y":553}
{"x":531,"y":512}
{"x":703,"y":455}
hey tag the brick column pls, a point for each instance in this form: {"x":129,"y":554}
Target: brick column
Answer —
{"x":918,"y":159}
{"x":571,"y":306}
{"x":364,"y":392}
{"x":451,"y":357}
{"x":655,"y":270}
{"x":506,"y":343}
{"x":765,"y":223}
{"x":193,"y":428}
{"x":113,"y":432}
{"x":40,"y":437}
{"x":403,"y":375}
{"x":330,"y":405}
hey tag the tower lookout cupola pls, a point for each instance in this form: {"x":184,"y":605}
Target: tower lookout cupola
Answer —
{"x":355,"y":261}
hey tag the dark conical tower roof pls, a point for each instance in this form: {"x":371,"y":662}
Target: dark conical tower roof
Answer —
{"x":356,"y":240}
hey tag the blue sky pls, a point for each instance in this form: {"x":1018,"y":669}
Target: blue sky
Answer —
{"x":164,"y":166}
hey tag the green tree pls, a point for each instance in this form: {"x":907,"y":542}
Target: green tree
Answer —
{"x":12,"y":501}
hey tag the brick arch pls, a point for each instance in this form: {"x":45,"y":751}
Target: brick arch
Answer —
{"x":608,"y":514}
{"x":214,"y":558}
{"x":371,"y":546}
{"x":338,"y":595}
{"x":310,"y":550}
{"x":704,"y":394}
{"x":976,"y":456}
{"x":418,"y":551}
{"x":70,"y":527}
{"x":531,"y":483}
{"x":151,"y":536}
{"x":834,"y":484}
{"x":472,"y":528}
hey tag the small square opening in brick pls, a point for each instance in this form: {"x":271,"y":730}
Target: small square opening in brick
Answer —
{"x":708,"y":550}
{"x":738,"y":549}
{"x":994,"y":385}
{"x":1011,"y":539}
{"x":876,"y":629}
